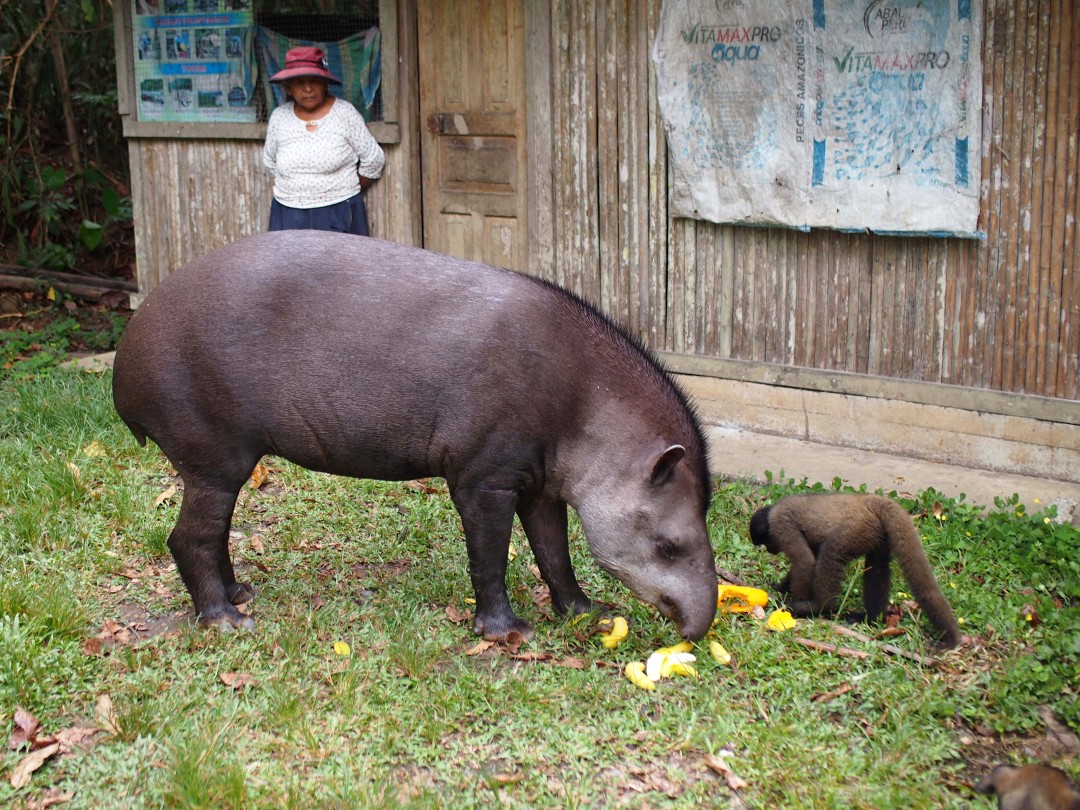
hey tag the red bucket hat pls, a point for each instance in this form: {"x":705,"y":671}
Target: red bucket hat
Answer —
{"x":305,"y":61}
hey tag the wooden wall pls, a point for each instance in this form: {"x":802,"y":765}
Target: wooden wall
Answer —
{"x":1002,"y":314}
{"x":998,"y":317}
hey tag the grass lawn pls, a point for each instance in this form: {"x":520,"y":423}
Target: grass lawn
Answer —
{"x":137,"y":708}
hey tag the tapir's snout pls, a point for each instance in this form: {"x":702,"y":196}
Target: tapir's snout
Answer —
{"x":693,"y":610}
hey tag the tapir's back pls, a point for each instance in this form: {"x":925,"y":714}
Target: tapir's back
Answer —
{"x":348,"y":354}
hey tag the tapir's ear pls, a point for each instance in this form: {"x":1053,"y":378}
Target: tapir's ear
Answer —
{"x":666,"y":463}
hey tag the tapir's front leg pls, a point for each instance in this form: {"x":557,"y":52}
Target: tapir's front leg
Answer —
{"x":488,"y":518}
{"x":200,"y":545}
{"x":544,"y":521}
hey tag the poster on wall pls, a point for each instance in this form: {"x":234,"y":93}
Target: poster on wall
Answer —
{"x":194,"y":60}
{"x":846,"y":114}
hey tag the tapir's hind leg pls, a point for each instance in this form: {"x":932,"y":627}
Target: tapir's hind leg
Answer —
{"x":544,"y":522}
{"x":200,"y":545}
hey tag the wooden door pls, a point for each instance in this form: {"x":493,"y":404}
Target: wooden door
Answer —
{"x":472,"y":114}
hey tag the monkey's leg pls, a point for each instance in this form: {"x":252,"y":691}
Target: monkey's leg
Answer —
{"x":876,"y":583}
{"x":828,"y":579}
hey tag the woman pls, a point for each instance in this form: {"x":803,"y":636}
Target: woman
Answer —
{"x":319,"y":152}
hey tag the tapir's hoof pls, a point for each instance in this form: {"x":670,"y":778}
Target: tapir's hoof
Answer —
{"x":240,"y":592}
{"x":505,"y":631}
{"x":227,"y":621}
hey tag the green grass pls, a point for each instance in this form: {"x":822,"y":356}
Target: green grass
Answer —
{"x":409,"y":719}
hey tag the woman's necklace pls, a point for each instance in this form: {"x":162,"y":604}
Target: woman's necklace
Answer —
{"x":311,"y":126}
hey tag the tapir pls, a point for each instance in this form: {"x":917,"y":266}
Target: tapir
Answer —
{"x":355,"y":356}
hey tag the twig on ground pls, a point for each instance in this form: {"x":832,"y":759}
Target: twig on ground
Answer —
{"x":889,"y":648}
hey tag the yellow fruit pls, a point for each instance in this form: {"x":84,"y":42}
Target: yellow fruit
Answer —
{"x":780,"y":620}
{"x":341,"y":648}
{"x":739,"y":599}
{"x":677,"y":663}
{"x":635,"y":672}
{"x":619,"y":631}
{"x":721,"y":655}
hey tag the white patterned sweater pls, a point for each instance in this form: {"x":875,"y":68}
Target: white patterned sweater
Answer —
{"x":316,"y":167}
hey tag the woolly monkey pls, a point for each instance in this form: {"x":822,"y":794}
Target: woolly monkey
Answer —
{"x":1030,"y":787}
{"x":821,"y":533}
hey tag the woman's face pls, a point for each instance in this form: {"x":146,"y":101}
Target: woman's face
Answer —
{"x":308,"y":92}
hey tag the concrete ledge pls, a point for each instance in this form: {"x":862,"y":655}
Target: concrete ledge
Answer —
{"x":1012,"y":445}
{"x":744,"y":454}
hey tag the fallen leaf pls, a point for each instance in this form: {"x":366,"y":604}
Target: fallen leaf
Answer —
{"x":53,"y":796}
{"x":26,"y":728}
{"x":570,"y":663}
{"x":825,"y":697}
{"x":105,"y":715}
{"x":718,"y":765}
{"x":457,"y":616}
{"x":532,"y":655}
{"x":256,"y":544}
{"x":74,"y":737}
{"x":238,"y":680}
{"x":93,"y":450}
{"x":259,"y":476}
{"x":168,"y":492}
{"x":20,"y":777}
{"x":422,"y":485}
{"x":93,"y":647}
{"x":481,"y":646}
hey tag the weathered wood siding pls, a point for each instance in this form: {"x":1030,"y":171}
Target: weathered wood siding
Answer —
{"x":1001,"y":314}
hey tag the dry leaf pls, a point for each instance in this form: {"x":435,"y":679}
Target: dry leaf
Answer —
{"x":94,"y":450}
{"x":532,"y":655}
{"x":571,"y":663}
{"x":20,"y":777}
{"x":52,"y":797}
{"x":422,"y":485}
{"x":238,"y":680}
{"x":26,"y":729}
{"x":457,"y":616}
{"x":717,"y":764}
{"x":74,"y":737}
{"x":481,"y":646}
{"x":168,"y":492}
{"x":105,"y":715}
{"x":256,"y":544}
{"x":259,"y":476}
{"x":825,"y":697}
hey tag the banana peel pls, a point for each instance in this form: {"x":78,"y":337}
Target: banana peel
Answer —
{"x":717,"y":651}
{"x":635,"y":672}
{"x":739,"y":598}
{"x":617,"y":634}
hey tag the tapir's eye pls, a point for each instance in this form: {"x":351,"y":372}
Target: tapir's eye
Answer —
{"x":666,"y":549}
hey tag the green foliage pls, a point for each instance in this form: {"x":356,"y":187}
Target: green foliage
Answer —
{"x":408,"y":718}
{"x":25,"y":353}
{"x":58,"y":201}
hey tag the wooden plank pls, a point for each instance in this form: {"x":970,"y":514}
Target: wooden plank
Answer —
{"x":1069,"y":379}
{"x":540,"y":139}
{"x":654,"y":301}
{"x":609,"y":98}
{"x":1004,"y":403}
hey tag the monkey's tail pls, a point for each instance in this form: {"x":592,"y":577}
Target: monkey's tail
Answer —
{"x":907,"y":548}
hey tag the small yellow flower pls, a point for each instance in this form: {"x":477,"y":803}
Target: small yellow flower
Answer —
{"x":1027,"y":617}
{"x":1037,"y":501}
{"x":341,"y":648}
{"x":952,"y":585}
{"x":1046,"y":520}
{"x":902,"y":595}
{"x":961,"y":620}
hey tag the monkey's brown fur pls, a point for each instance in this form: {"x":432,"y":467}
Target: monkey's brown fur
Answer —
{"x":821,"y":533}
{"x":1030,"y":787}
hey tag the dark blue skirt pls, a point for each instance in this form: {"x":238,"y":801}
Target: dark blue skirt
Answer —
{"x":347,"y":216}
